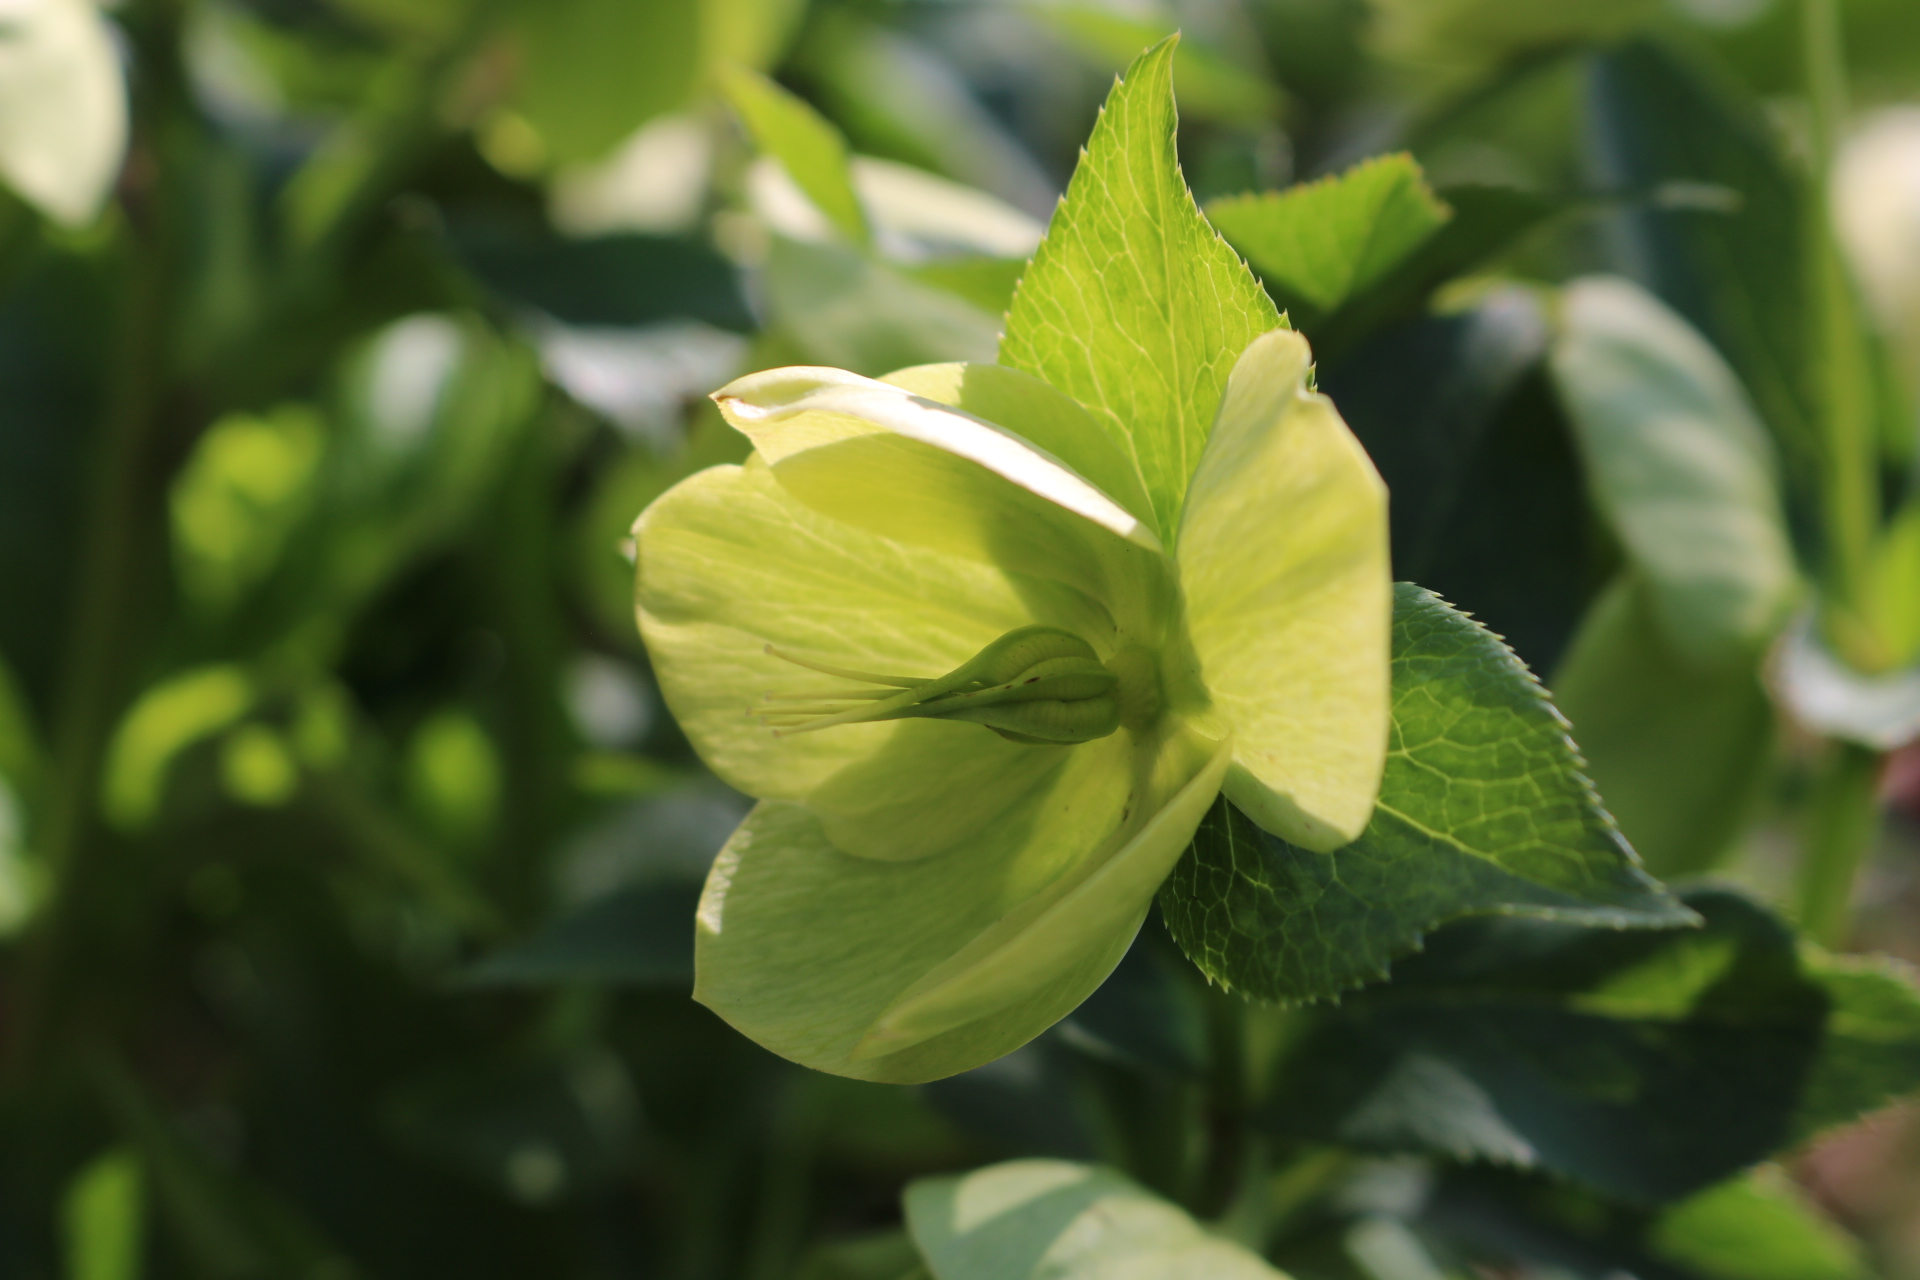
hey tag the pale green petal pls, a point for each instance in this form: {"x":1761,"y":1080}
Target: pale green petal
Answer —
{"x":932,"y":784}
{"x":729,"y":562}
{"x":1076,"y":922}
{"x":1289,"y":596}
{"x":912,"y":469}
{"x":964,"y":956}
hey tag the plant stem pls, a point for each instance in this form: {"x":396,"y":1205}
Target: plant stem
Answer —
{"x":1843,"y":818}
{"x":1844,"y":385}
{"x":1229,"y":1149}
{"x":124,"y":515}
{"x":1825,"y":71}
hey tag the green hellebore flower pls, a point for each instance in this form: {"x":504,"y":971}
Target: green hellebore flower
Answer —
{"x":942,"y":866}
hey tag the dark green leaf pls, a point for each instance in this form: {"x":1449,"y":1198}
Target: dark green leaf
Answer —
{"x":642,"y":936}
{"x":1645,"y":1065}
{"x":1678,"y":748}
{"x":538,"y":1130}
{"x":1145,"y":1012}
{"x":1714,"y":224}
{"x":1422,"y":397}
{"x":1756,"y":1226}
{"x":626,"y":280}
{"x":1489,"y":503}
{"x":1871,"y":1052}
{"x":1483,"y":810}
{"x":1023,"y":1104}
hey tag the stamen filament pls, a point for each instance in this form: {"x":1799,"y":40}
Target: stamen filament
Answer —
{"x":861,"y":694}
{"x":898,"y":682}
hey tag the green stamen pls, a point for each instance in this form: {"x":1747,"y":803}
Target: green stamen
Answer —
{"x":1035,"y":684}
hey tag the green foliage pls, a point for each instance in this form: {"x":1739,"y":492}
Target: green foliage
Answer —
{"x":1323,"y":242}
{"x":1678,"y":748}
{"x":1208,"y":84}
{"x":1483,"y":810}
{"x":640,"y":935}
{"x":170,"y":717}
{"x":846,"y":310}
{"x":1035,"y":1218}
{"x":595,"y":70}
{"x":1721,"y":231}
{"x":350,"y":837}
{"x":1755,"y":1227}
{"x":1149,"y":352}
{"x":104,"y":1219}
{"x":1679,"y":465}
{"x":1645,"y":1065}
{"x":811,"y":151}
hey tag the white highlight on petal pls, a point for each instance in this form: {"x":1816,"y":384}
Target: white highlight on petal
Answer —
{"x":783,"y":393}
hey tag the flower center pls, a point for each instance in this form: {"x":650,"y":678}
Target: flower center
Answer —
{"x":1034,"y":684}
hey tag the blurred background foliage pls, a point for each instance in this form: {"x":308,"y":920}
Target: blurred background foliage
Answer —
{"x":347,"y":853}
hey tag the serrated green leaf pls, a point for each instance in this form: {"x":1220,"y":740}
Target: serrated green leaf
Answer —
{"x":1323,"y":242}
{"x":1132,"y":304}
{"x":809,"y":148}
{"x":1483,"y":810}
{"x":1053,"y":1220}
{"x":1645,"y":1065}
{"x":1679,"y":464}
{"x":1679,"y":749}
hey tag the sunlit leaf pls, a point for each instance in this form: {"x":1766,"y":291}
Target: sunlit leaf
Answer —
{"x":1484,"y":810}
{"x":1325,"y":241}
{"x":105,"y":1219}
{"x":594,"y":70}
{"x":809,"y":148}
{"x":1051,"y":1220}
{"x":166,"y":720}
{"x":1757,"y":1227}
{"x":1133,"y":305}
